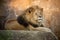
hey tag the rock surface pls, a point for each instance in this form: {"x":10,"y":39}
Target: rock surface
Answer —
{"x":26,"y":35}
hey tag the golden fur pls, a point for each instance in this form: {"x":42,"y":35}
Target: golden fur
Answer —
{"x":29,"y":15}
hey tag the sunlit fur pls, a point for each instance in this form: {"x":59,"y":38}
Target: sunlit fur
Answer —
{"x":26,"y":21}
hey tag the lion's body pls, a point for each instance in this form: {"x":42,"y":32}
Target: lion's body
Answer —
{"x":26,"y":21}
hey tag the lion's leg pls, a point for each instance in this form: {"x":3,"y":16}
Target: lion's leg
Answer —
{"x":39,"y":29}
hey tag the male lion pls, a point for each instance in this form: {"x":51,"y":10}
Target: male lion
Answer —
{"x":28,"y":20}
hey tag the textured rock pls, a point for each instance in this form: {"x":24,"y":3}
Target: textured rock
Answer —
{"x":26,"y":35}
{"x":6,"y":13}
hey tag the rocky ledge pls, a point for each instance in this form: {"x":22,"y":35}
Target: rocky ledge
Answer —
{"x":26,"y":35}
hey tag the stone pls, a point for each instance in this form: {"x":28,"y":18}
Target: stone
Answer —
{"x":26,"y":35}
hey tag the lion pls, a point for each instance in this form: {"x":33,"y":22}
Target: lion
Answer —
{"x":28,"y":20}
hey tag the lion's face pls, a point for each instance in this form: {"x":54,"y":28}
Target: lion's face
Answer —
{"x":33,"y":13}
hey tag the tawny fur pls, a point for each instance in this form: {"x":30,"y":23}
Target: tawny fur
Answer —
{"x":30,"y":15}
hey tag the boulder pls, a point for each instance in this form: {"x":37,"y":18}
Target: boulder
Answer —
{"x":26,"y":35}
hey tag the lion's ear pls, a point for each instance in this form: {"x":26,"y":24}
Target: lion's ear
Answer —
{"x":29,"y":10}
